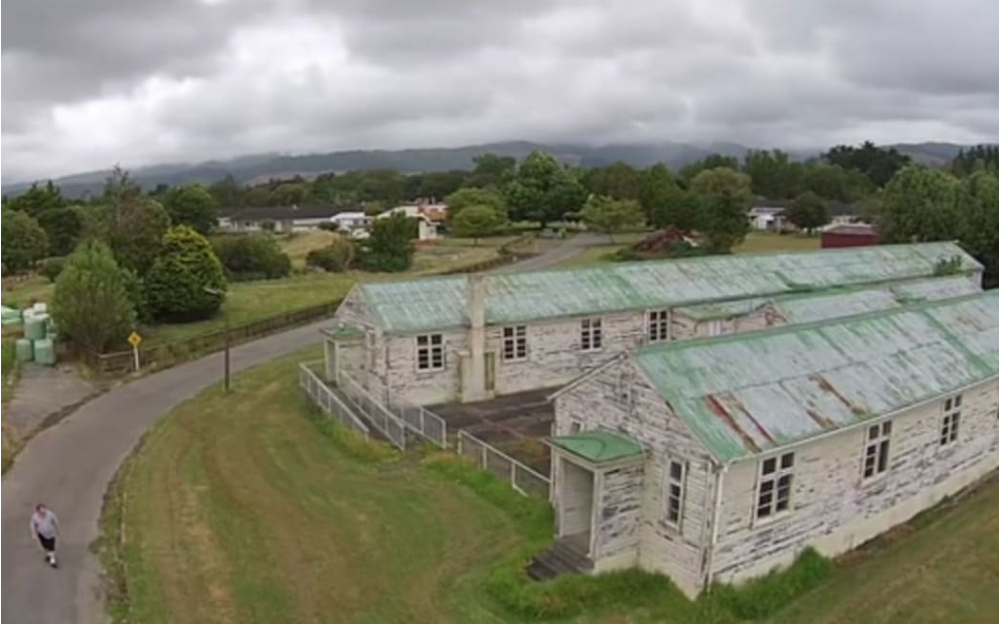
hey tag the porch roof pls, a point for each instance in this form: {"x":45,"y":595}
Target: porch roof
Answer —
{"x":599,"y":446}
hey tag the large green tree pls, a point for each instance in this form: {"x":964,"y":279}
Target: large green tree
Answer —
{"x":192,"y":205}
{"x":186,"y":281}
{"x":835,"y":183}
{"x":919,"y":204}
{"x":390,"y":247}
{"x":713,"y":161}
{"x":476,"y":221}
{"x":724,"y":197}
{"x":543,"y":190}
{"x":91,"y":304}
{"x":24,"y":241}
{"x":808,"y":211}
{"x":466,"y":197}
{"x":774,"y":175}
{"x":38,"y":199}
{"x":492,"y":171}
{"x":878,"y":164}
{"x":227,"y":192}
{"x":620,"y":181}
{"x":136,"y":232}
{"x":609,"y":215}
{"x":978,"y":221}
{"x":63,"y":228}
{"x":664,"y":202}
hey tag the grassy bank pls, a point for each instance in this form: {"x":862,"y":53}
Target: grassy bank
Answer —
{"x":252,"y":508}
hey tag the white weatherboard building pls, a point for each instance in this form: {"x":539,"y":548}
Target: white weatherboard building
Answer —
{"x":720,"y":459}
{"x":445,"y":339}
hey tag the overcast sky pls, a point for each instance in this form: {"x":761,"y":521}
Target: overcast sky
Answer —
{"x":88,"y":84}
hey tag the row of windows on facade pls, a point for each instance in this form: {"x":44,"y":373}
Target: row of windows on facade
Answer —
{"x":430,"y":347}
{"x":773,"y":493}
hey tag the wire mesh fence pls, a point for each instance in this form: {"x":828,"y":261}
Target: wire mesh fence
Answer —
{"x":423,"y":422}
{"x":522,"y":477}
{"x":326,"y":400}
{"x":390,"y":425}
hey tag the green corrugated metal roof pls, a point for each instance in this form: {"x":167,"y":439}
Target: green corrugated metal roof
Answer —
{"x":345,"y":331}
{"x":748,"y":393}
{"x":440,"y":303}
{"x":599,"y":446}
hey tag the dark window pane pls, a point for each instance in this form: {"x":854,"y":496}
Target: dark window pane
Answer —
{"x":787,"y":461}
{"x":947,"y":405}
{"x":886,"y":428}
{"x":873,"y":432}
{"x":769,"y":465}
{"x":957,"y":401}
{"x":883,"y":457}
{"x":676,"y":470}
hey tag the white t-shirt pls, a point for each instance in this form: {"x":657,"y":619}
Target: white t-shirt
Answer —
{"x":45,"y":524}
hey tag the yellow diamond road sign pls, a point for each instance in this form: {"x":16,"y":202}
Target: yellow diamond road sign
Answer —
{"x":134,"y":339}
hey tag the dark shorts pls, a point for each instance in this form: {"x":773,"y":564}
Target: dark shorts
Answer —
{"x":48,"y":543}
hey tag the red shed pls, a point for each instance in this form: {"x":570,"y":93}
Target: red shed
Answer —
{"x":850,"y":235}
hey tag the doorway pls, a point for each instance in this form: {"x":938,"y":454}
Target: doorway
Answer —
{"x":575,"y":501}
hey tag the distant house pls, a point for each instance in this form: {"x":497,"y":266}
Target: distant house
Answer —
{"x":430,"y":216}
{"x":769,"y":218}
{"x":849,"y":235}
{"x":285,"y":218}
{"x":719,"y":460}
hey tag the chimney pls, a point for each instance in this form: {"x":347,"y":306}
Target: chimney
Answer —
{"x":473,"y":377}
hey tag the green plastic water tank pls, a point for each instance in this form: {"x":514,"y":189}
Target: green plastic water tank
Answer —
{"x":9,"y":316}
{"x":35,"y":326}
{"x":45,"y":352}
{"x":24,"y":350}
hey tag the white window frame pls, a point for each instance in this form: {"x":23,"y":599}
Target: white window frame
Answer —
{"x":875,"y":461}
{"x":675,"y":493}
{"x":514,"y":343}
{"x":772,"y":483}
{"x":591,"y":334}
{"x":657,"y":325}
{"x":950,"y":424}
{"x":432,"y":347}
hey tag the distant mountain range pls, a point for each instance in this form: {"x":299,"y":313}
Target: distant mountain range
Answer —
{"x":261,"y":167}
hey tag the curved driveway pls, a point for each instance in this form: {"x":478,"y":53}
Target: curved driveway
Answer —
{"x":69,"y":466}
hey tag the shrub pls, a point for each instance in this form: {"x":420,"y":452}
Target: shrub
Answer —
{"x":390,"y":247}
{"x":336,"y":257}
{"x":329,"y":226}
{"x":179,"y":285}
{"x":766,"y":595}
{"x":91,"y":303}
{"x":24,"y":241}
{"x":268,"y":225}
{"x":52,"y":267}
{"x":253,"y":256}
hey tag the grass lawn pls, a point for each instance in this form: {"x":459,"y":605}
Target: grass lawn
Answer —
{"x":756,"y":242}
{"x":11,"y":444}
{"x":299,"y":244}
{"x":767,"y":242}
{"x":239,"y":509}
{"x":22,"y":294}
{"x":252,"y":301}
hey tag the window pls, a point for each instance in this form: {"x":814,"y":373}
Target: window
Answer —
{"x":592,"y":334}
{"x":430,"y":352}
{"x":774,"y":495}
{"x":876,"y":450}
{"x":575,"y":426}
{"x":674,"y":493}
{"x":951,"y":420}
{"x":514,"y":343}
{"x":658,"y":325}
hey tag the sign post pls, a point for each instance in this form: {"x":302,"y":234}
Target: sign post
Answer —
{"x":134,"y":339}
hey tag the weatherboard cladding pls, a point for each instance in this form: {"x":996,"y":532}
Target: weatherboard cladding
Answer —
{"x":750,"y":393}
{"x":440,"y":303}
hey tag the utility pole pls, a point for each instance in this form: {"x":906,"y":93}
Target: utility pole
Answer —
{"x":225,"y":321}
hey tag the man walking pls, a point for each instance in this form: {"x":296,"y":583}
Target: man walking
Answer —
{"x":45,"y":528}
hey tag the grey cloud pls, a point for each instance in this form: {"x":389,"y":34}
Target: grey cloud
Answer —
{"x":141,"y":81}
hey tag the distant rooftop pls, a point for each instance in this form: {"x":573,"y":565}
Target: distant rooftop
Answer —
{"x":749,"y":393}
{"x":279,"y":213}
{"x":441,"y":303}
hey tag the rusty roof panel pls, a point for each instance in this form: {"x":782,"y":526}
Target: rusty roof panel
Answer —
{"x":748,"y":393}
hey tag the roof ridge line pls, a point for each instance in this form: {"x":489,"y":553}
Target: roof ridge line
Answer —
{"x":679,"y":345}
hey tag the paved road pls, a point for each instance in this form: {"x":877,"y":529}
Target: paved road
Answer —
{"x":569,"y":248}
{"x":68,"y":467}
